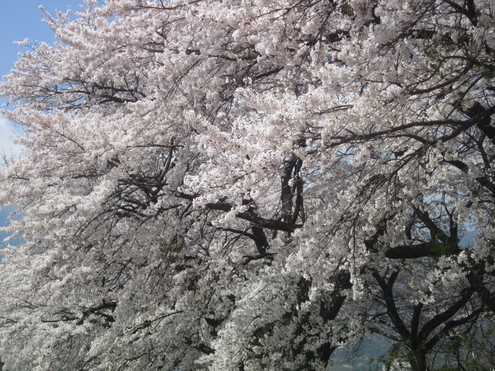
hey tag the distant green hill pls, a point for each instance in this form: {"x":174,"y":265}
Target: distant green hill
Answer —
{"x":368,"y":357}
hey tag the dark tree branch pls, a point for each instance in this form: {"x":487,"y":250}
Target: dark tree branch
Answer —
{"x":449,"y":326}
{"x":392,"y":311}
{"x":442,"y":317}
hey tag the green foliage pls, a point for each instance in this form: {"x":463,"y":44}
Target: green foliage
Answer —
{"x":347,"y":9}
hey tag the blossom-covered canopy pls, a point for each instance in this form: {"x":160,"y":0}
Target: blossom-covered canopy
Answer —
{"x":249,"y":184}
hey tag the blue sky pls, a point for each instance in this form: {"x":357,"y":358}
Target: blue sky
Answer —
{"x":20,"y":19}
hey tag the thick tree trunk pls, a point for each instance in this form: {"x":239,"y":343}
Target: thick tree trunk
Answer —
{"x":417,"y":359}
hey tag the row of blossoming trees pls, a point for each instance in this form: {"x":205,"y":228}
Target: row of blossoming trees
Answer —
{"x":249,"y":184}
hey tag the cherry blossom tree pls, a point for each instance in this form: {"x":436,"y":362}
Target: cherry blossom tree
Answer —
{"x":250,"y":184}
